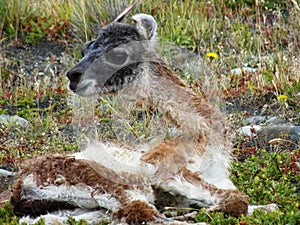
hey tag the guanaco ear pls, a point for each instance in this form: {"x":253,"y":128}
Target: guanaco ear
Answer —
{"x":124,"y":13}
{"x":146,"y":25}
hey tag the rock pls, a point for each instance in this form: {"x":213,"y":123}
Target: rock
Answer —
{"x":6,"y":173}
{"x":5,"y":197}
{"x":6,"y":179}
{"x":275,"y":120}
{"x":245,"y":69}
{"x":249,"y":131}
{"x":284,"y":131}
{"x":295,"y":134}
{"x":268,"y":208}
{"x":6,"y":119}
{"x":256,"y":120}
{"x":284,"y":136}
{"x":259,"y":120}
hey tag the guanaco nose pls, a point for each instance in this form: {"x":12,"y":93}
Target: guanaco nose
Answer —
{"x":74,"y":76}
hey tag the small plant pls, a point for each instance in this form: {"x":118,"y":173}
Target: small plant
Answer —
{"x":266,"y":178}
{"x":7,"y":215}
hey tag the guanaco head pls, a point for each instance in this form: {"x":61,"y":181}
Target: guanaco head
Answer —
{"x":111,"y":61}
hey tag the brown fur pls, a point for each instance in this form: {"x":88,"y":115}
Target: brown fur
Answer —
{"x":160,"y":152}
{"x":200,"y":107}
{"x":136,"y":212}
{"x":232,"y":202}
{"x":47,"y":169}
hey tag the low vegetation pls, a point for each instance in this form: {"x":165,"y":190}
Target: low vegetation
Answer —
{"x":262,"y":35}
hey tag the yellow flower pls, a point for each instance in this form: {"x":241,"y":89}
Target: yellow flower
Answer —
{"x":211,"y":55}
{"x":282,"y":97}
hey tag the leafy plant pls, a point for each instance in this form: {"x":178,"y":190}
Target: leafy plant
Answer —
{"x":266,"y":178}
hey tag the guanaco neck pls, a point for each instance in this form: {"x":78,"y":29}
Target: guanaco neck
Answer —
{"x":195,"y":118}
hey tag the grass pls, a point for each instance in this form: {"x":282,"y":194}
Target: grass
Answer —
{"x":258,"y":34}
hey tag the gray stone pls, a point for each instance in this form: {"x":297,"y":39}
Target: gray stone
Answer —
{"x":249,"y":131}
{"x":268,"y":208}
{"x":284,"y":131}
{"x":295,"y":134}
{"x":244,"y":69}
{"x":6,"y":119}
{"x":256,"y":120}
{"x":275,"y":120}
{"x":6,"y":173}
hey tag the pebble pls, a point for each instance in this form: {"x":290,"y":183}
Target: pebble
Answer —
{"x":256,"y":120}
{"x":249,"y":131}
{"x":284,"y":131}
{"x":264,"y":130}
{"x":268,"y":208}
{"x":6,"y":119}
{"x":6,"y":173}
{"x":238,"y":71}
{"x":275,"y":120}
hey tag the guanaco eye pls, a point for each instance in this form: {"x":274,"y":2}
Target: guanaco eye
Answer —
{"x":87,"y":47}
{"x":116,"y":56}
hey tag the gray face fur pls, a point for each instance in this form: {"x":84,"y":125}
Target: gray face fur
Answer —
{"x":113,"y":58}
